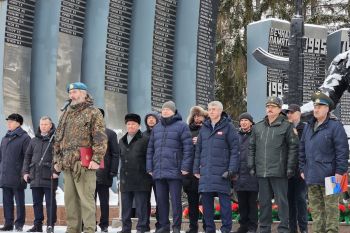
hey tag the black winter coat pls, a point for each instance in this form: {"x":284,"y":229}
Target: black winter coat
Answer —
{"x":133,"y":175}
{"x":111,"y":159}
{"x":189,"y":181}
{"x":245,"y":181}
{"x":39,"y":175}
{"x":12,"y":151}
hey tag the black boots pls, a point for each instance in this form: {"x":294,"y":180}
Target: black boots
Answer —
{"x":36,"y":228}
{"x":6,"y":228}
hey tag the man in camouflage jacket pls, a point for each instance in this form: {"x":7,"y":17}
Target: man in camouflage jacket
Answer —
{"x":82,"y":125}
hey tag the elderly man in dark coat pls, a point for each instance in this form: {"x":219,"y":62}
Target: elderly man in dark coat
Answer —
{"x":12,"y":151}
{"x":216,"y":163}
{"x":169,"y":156}
{"x":246,"y":185}
{"x":135,"y":183}
{"x":37,"y":171}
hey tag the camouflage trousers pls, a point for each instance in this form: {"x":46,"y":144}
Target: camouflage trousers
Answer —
{"x":324,"y":210}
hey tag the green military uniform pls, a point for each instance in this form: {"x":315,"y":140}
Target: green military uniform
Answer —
{"x":82,"y":126}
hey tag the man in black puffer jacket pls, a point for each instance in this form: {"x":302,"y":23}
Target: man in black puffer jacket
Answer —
{"x":246,"y":186}
{"x":104,"y":176}
{"x":37,"y":171}
{"x":12,"y":151}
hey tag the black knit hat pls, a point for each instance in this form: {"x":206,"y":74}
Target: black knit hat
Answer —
{"x":15,"y":117}
{"x":132,"y":117}
{"x":247,"y":116}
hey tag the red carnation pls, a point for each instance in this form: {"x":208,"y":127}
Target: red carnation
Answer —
{"x":342,"y":208}
{"x":234,"y":206}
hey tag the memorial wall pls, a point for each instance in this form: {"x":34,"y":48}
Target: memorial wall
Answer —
{"x":17,"y":59}
{"x":169,"y":27}
{"x":338,"y":42}
{"x":265,"y":81}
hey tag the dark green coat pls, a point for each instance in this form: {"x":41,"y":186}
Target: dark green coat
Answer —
{"x":133,"y":175}
{"x":273,"y":148}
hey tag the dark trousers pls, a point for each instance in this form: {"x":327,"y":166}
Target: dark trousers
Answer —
{"x":38,"y":194}
{"x":279,"y":187}
{"x":193,"y":203}
{"x":163,"y":188}
{"x":103,"y":194}
{"x":225,"y":210}
{"x":141,"y":199}
{"x":297,"y":195}
{"x":8,"y":206}
{"x":248,"y":210}
{"x":157,"y":225}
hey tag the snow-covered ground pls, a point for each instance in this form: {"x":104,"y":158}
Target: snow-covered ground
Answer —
{"x":62,"y":229}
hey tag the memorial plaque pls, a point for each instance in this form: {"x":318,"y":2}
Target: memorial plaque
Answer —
{"x":345,"y":99}
{"x":17,"y":59}
{"x":117,"y":55}
{"x":206,"y":45}
{"x":163,"y":52}
{"x":71,"y":31}
{"x":314,"y":59}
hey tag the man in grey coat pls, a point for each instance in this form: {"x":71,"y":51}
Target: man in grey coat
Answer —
{"x":272,"y":157}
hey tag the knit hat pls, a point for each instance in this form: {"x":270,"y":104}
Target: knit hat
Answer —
{"x":77,"y":85}
{"x":15,"y":117}
{"x":247,"y":116}
{"x":169,"y":104}
{"x":132,"y":117}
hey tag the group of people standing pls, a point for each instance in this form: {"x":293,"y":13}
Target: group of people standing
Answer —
{"x":278,"y":158}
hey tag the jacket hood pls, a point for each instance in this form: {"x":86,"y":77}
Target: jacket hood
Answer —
{"x":223,"y":120}
{"x":172,"y":119}
{"x":155,"y":115}
{"x":196,"y":110}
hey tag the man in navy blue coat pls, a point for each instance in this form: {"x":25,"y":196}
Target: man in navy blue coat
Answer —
{"x":216,"y":163}
{"x":323,"y":152}
{"x":169,"y":157}
{"x":12,"y":151}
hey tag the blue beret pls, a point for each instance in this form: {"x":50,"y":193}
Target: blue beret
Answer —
{"x":76,"y":85}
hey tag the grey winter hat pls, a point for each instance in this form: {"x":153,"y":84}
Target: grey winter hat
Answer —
{"x":169,"y":104}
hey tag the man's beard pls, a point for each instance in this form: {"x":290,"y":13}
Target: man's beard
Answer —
{"x":78,"y":101}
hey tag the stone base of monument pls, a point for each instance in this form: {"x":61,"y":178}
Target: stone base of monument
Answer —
{"x":116,"y":223}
